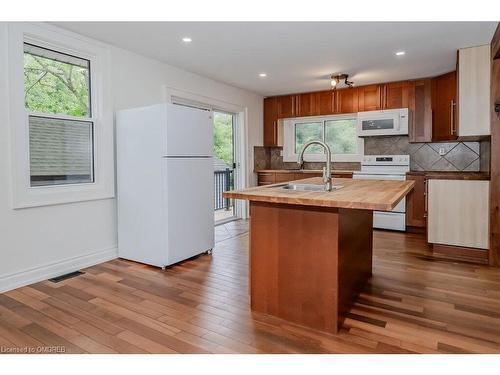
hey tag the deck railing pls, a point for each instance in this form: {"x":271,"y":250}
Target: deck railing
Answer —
{"x":224,"y":181}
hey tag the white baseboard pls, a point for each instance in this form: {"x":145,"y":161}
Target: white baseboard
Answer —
{"x":47,"y":271}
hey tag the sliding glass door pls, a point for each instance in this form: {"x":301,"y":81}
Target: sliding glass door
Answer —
{"x":225,"y":165}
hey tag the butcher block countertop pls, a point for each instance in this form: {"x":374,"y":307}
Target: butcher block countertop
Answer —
{"x":379,"y":195}
{"x":334,"y":171}
{"x":452,"y":175}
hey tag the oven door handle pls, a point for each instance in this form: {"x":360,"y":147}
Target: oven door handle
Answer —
{"x":379,"y":177}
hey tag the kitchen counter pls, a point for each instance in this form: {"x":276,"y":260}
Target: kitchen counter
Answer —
{"x":305,"y":171}
{"x":451,"y":175}
{"x":274,"y":176}
{"x":358,"y":194}
{"x":311,"y":252}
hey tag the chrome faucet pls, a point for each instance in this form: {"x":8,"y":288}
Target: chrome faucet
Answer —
{"x":327,"y":171}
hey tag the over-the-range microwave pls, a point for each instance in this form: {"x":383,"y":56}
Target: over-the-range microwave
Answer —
{"x":385,"y":122}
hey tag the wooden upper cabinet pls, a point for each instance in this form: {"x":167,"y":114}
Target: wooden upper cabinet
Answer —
{"x":369,"y":98}
{"x":287,"y":106}
{"x":306,"y":104}
{"x":444,"y":93}
{"x":420,"y":104}
{"x":346,"y":100}
{"x":396,"y":95}
{"x":271,"y":121}
{"x":430,"y":101}
{"x":325,"y":102}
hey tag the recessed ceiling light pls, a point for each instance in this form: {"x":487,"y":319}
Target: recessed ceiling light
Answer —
{"x":262,"y":75}
{"x":187,"y":39}
{"x":400,"y":53}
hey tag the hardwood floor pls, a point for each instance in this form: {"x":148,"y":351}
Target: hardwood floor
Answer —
{"x":413,"y":304}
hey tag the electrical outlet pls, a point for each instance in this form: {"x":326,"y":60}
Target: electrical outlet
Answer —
{"x":442,"y":151}
{"x":281,"y":152}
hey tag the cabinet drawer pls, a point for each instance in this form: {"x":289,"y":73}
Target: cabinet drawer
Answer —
{"x":266,"y":177}
{"x":342,"y":175}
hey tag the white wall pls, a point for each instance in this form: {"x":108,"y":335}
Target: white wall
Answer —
{"x":37,"y":243}
{"x":139,"y":81}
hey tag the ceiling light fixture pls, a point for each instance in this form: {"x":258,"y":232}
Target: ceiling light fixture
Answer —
{"x":400,"y":53}
{"x":262,"y":75}
{"x":335,"y":80}
{"x":187,"y":39}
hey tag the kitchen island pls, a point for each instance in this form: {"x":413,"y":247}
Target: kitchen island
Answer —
{"x":311,"y":251}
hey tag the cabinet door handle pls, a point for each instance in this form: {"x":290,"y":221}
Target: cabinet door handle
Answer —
{"x":452,"y":116}
{"x":385,"y":97}
{"x":426,"y":198}
{"x":275,"y":132}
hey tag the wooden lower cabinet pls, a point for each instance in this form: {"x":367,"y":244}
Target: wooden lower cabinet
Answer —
{"x":265,"y":178}
{"x":308,"y":263}
{"x":416,"y":204}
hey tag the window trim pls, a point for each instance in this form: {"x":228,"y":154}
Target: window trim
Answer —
{"x":289,"y":154}
{"x":59,"y":40}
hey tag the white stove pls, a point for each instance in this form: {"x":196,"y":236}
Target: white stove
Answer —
{"x":386,"y":167}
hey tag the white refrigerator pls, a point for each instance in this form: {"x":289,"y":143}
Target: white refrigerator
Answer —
{"x":165,"y":183}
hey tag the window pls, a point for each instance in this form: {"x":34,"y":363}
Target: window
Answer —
{"x":341,"y":136}
{"x":61,"y":116}
{"x":57,"y":98}
{"x":306,"y":132}
{"x":338,"y":132}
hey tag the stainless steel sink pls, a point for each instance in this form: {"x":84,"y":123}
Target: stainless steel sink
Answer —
{"x":308,"y":187}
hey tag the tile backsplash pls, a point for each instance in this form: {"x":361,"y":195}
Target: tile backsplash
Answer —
{"x":455,"y":156}
{"x":270,"y":158}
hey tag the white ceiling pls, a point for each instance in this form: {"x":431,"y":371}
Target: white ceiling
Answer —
{"x":297,"y":56}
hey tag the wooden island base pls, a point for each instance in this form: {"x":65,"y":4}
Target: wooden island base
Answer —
{"x":307,"y":262}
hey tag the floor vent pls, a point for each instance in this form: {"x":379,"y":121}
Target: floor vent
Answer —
{"x":67,"y":276}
